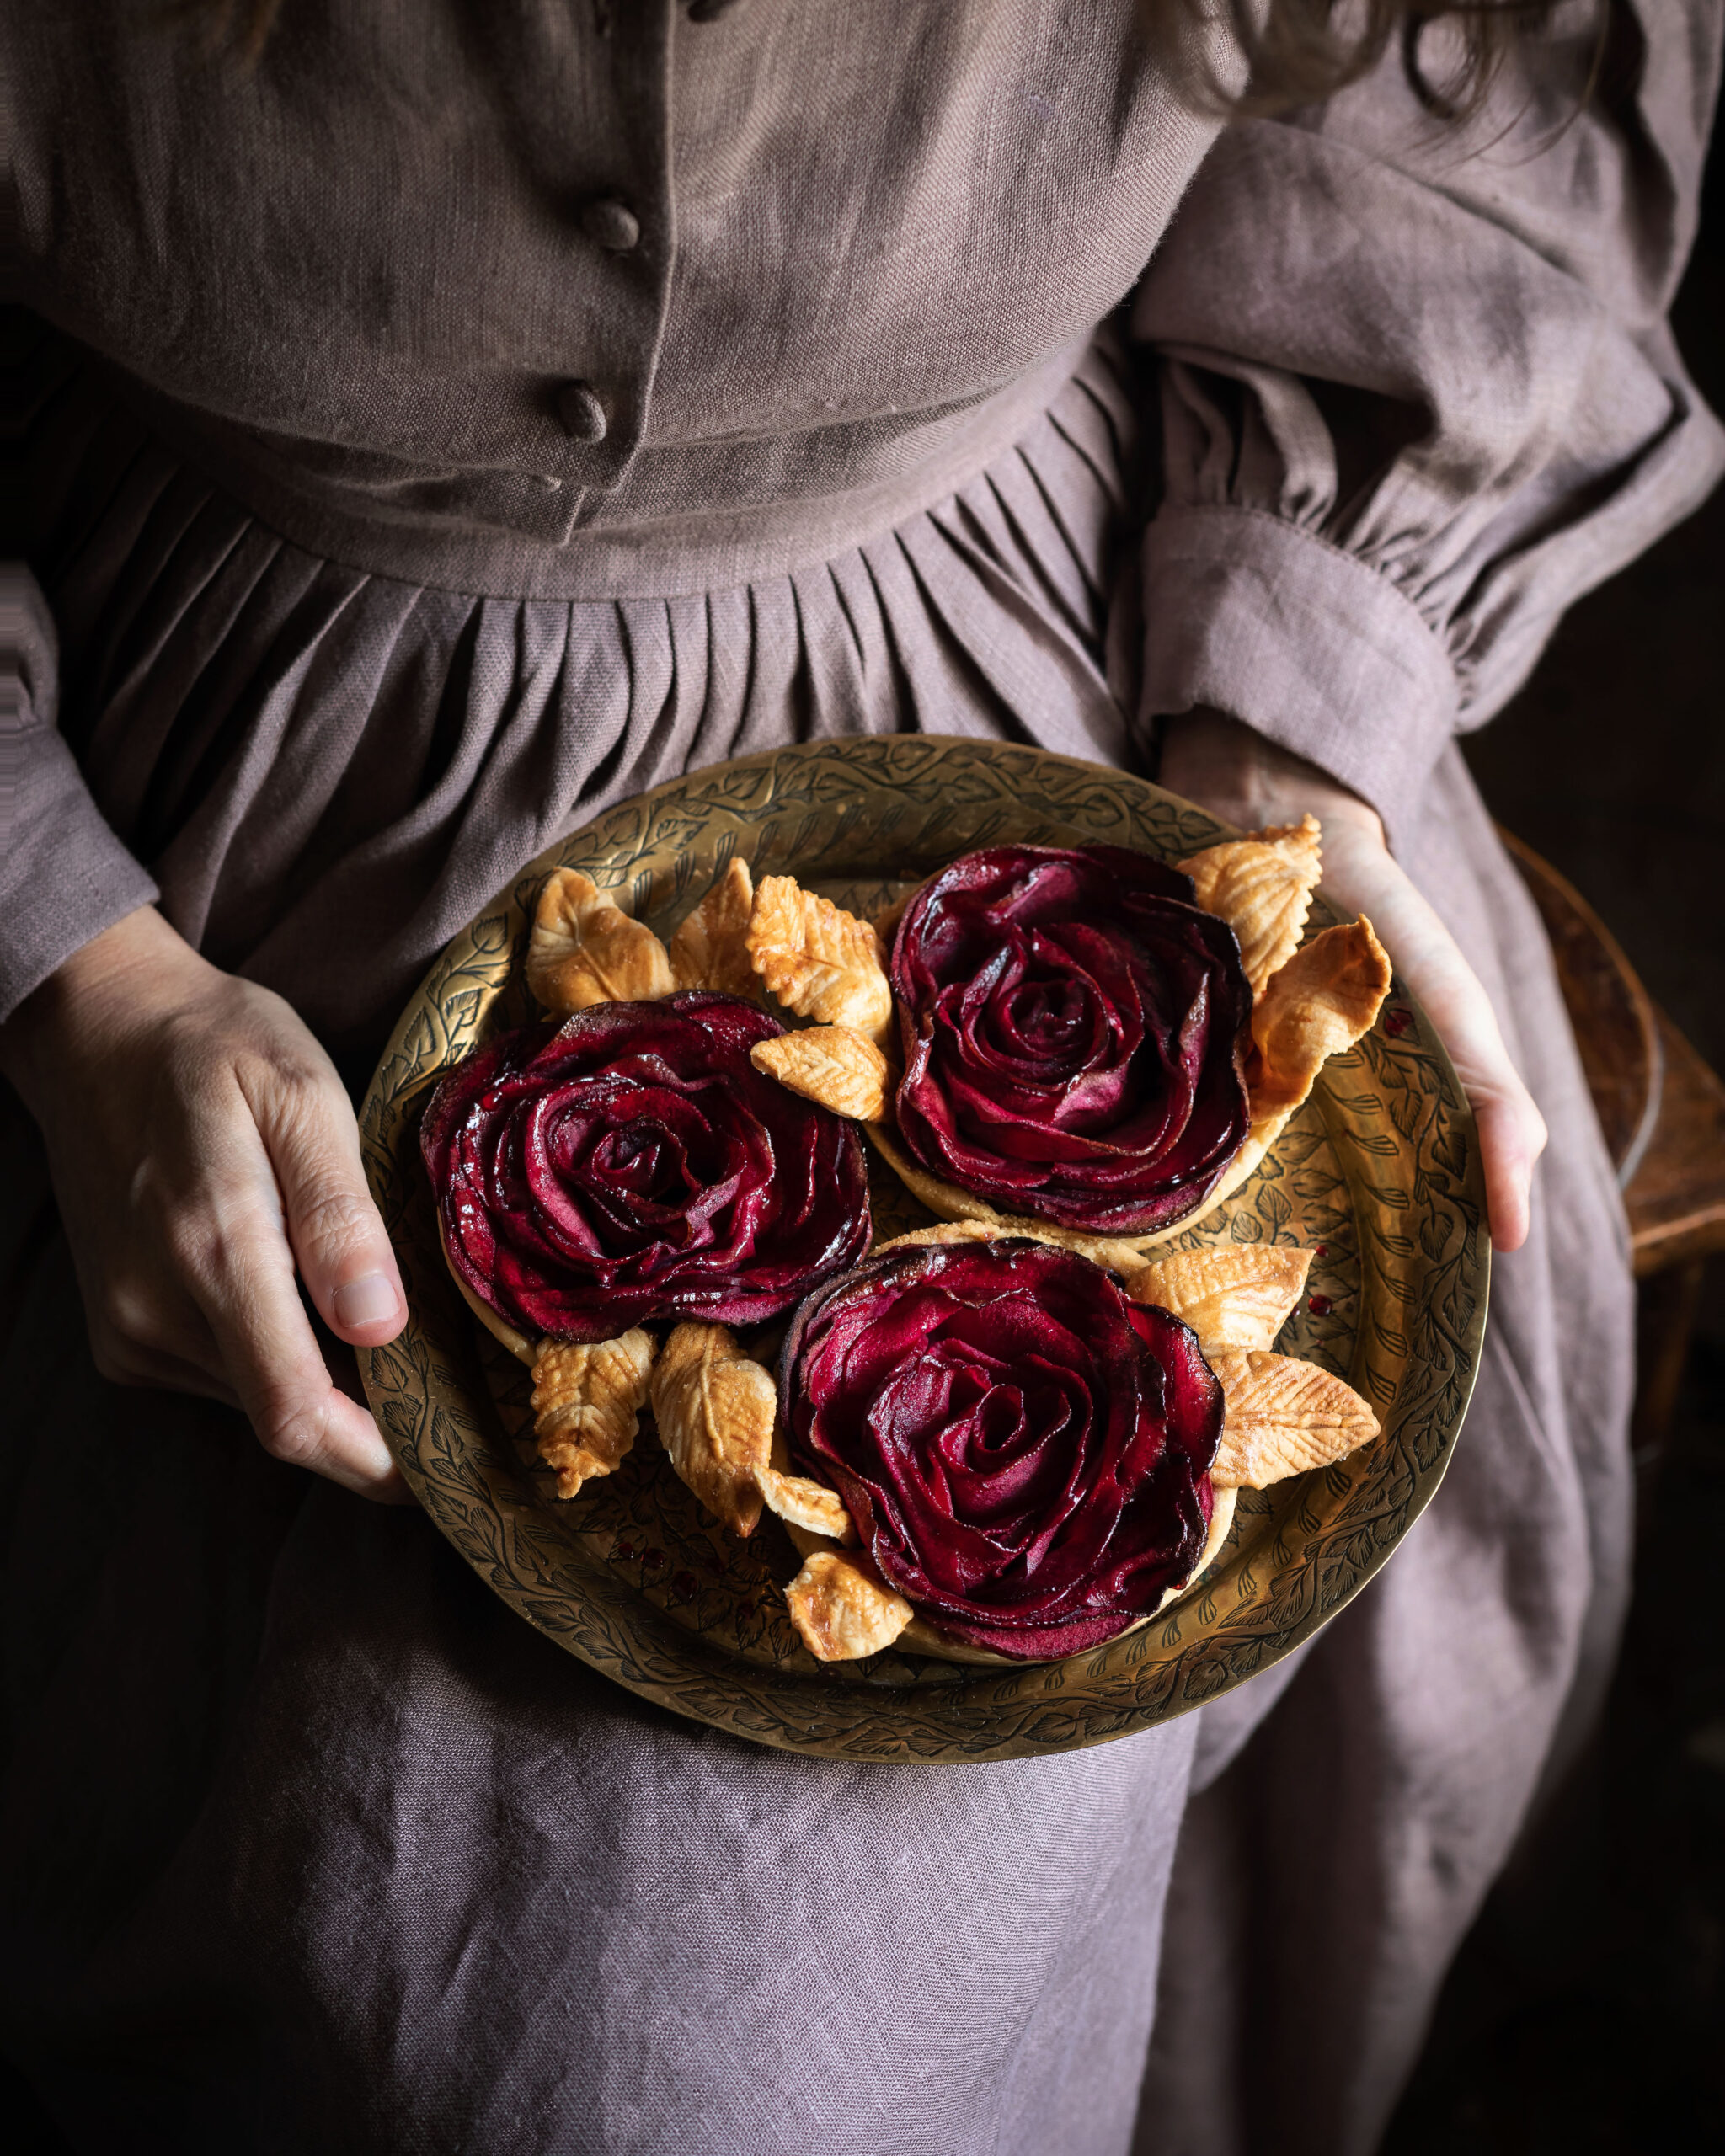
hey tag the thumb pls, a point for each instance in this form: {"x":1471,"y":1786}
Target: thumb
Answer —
{"x":1512,"y":1136}
{"x":1511,"y":1132}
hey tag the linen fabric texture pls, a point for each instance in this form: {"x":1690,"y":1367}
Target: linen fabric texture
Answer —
{"x":314,"y":1845}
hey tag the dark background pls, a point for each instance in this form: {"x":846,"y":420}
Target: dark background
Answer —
{"x":1604,"y":2034}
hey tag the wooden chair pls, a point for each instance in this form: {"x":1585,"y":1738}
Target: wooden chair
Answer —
{"x":1662,"y":1111}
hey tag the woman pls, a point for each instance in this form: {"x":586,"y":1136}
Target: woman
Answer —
{"x":453,"y":419}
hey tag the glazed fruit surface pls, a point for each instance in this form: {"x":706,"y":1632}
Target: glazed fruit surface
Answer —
{"x":1069,"y":1022}
{"x":1024,"y":1451}
{"x":634,"y":1165}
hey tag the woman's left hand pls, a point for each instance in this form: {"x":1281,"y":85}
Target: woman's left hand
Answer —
{"x":1228,"y":769}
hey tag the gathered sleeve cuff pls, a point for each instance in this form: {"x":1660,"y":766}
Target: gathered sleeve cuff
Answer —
{"x":64,"y":876}
{"x":1417,"y":392}
{"x":1311,"y":645}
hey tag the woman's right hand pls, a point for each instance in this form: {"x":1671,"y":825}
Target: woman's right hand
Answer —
{"x":204,"y":1153}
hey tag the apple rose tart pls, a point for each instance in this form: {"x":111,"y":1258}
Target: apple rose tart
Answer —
{"x":1096,"y":1048}
{"x":634,"y":1165}
{"x":1032,"y":1456}
{"x":1071,"y":1021}
{"x":1024,"y":1451}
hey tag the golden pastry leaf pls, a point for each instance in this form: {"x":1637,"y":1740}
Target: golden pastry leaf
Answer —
{"x":587,"y":1402}
{"x":1232,"y":1294}
{"x":819,"y":961}
{"x":814,"y":1516}
{"x":711,"y":949}
{"x":802,"y":1502}
{"x":1326,"y":998}
{"x":1262,"y":887}
{"x":1323,"y":1000}
{"x":585,"y":950}
{"x":834,"y":1066}
{"x":843,"y":1609}
{"x":715,"y":1409}
{"x":1283,"y":1416}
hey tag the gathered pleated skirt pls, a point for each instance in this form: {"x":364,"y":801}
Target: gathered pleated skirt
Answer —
{"x":330,"y":771}
{"x":312,"y":1845}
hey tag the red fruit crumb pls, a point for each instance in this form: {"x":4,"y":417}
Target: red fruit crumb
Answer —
{"x":1319,"y":1305}
{"x":1321,"y":1250}
{"x":1396,"y":1022}
{"x":682,"y":1587}
{"x":622,"y":1553}
{"x":652,"y":1559}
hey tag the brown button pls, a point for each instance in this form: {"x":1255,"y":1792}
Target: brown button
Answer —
{"x":610,"y":224}
{"x":583,"y":415}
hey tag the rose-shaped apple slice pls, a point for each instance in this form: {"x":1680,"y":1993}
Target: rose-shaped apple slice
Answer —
{"x":1023,"y":1452}
{"x":634,"y":1164}
{"x":1072,"y":1025}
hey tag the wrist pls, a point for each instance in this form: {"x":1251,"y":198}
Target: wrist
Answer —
{"x":137,"y":969}
{"x":1236,"y":772}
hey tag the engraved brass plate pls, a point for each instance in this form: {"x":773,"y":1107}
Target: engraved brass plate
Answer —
{"x":1380,"y":1172}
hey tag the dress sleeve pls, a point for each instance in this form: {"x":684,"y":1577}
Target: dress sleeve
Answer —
{"x":64,"y":876}
{"x":1418,"y":389}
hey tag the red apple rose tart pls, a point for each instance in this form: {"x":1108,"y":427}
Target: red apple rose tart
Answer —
{"x":1033,"y":1457}
{"x":1091,"y":1045}
{"x":1024,"y":1452}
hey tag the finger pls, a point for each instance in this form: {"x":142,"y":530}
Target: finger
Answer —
{"x":1508,"y":1158}
{"x":300,"y":1415}
{"x":237,"y":1264}
{"x":337,"y":1234}
{"x":1511,"y":1130}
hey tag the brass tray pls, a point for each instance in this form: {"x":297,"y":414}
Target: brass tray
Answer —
{"x":1380,"y":1171}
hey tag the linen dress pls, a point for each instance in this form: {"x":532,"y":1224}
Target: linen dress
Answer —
{"x":466,"y":416}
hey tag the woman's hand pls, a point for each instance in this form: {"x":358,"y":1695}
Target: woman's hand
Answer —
{"x":203,"y":1150}
{"x":1226,"y":768}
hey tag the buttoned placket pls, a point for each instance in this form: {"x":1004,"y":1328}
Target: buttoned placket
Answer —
{"x":613,"y":68}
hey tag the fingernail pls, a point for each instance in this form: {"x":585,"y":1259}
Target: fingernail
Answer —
{"x":365,"y":1301}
